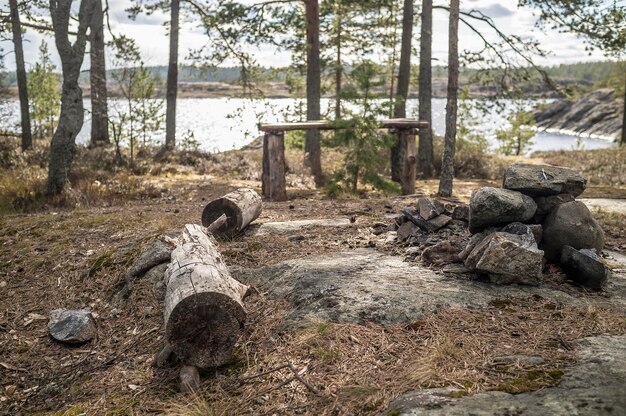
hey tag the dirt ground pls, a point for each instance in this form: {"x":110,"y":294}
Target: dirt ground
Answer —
{"x":77,"y":259}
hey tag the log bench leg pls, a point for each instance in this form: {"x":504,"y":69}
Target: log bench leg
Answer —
{"x":410,"y":161}
{"x":273,"y":178}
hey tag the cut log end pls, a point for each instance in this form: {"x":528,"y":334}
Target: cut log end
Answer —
{"x":203,"y":329}
{"x":240,"y":207}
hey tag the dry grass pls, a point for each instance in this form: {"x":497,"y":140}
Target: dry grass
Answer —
{"x":356,"y":369}
{"x":605,"y":169}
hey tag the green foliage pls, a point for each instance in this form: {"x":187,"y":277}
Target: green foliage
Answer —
{"x":516,"y":139}
{"x":601,"y":23}
{"x":365,"y":144}
{"x":295,"y":139}
{"x":467,"y":136}
{"x":188,"y":141}
{"x":141,"y":116}
{"x":44,"y":95}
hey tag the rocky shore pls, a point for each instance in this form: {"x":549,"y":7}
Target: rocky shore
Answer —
{"x":598,"y":114}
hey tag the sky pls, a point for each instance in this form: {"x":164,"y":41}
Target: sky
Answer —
{"x":151,"y":36}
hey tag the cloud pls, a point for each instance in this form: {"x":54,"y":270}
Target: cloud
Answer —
{"x":496,"y":11}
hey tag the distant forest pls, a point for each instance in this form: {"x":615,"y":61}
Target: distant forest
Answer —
{"x":589,"y":72}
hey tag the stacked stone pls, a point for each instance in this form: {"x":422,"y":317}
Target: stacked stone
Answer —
{"x":534,"y":217}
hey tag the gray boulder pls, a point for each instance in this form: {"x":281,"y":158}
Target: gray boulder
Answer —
{"x":546,"y":204}
{"x":430,"y":208}
{"x":508,"y":256}
{"x":71,"y":326}
{"x":570,"y":224}
{"x":542,"y":180}
{"x":461,"y":212}
{"x":494,"y":206}
{"x":584,"y":267}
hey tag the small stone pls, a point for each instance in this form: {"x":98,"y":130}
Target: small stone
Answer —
{"x":3,"y":284}
{"x":412,"y":251}
{"x":584,"y":267}
{"x":444,"y":252}
{"x":439,"y":222}
{"x":573,"y":225}
{"x":542,"y":180}
{"x":495,"y":206}
{"x":430,"y":208}
{"x":406,"y":230}
{"x":157,"y":252}
{"x":391,"y":237}
{"x":461,"y":212}
{"x":189,"y":379}
{"x":413,"y":216}
{"x":71,"y":326}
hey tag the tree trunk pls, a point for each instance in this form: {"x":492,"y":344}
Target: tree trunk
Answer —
{"x":404,"y":78}
{"x":98,"y":79}
{"x":63,"y":146}
{"x":313,"y":89}
{"x":447,"y":161}
{"x":338,"y":67}
{"x":623,"y":142}
{"x":20,"y":69}
{"x":241,"y":207}
{"x":172,"y":79}
{"x":410,"y":161}
{"x":204,"y":309}
{"x":425,"y":150}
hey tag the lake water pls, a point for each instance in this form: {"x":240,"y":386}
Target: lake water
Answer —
{"x":220,"y":124}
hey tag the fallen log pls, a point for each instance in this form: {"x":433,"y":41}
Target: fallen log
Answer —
{"x":204,"y":309}
{"x":241,"y":207}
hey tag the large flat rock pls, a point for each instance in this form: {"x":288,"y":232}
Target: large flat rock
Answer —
{"x":594,"y":386}
{"x":366,"y":285}
{"x":288,"y":226}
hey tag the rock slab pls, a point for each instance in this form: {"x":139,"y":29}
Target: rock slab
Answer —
{"x":508,"y":256}
{"x":594,"y":386}
{"x":71,"y":326}
{"x":584,"y":267}
{"x":570,"y":224}
{"x":542,"y":180}
{"x":495,"y":206}
{"x":430,"y":208}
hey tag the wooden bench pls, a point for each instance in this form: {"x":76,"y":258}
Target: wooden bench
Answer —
{"x":274,"y":166}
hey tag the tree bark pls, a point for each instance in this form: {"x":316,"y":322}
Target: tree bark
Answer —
{"x":447,"y":161}
{"x":410,"y":161}
{"x":241,"y":207}
{"x":623,"y":142}
{"x":63,"y":145}
{"x":172,"y":79}
{"x":313,"y":89}
{"x":20,"y":69}
{"x":425,"y":150}
{"x":204,"y":309}
{"x":404,"y":78}
{"x":98,"y":79}
{"x":339,"y":66}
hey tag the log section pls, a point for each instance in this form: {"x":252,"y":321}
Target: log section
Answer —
{"x":204,"y":309}
{"x":241,"y":207}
